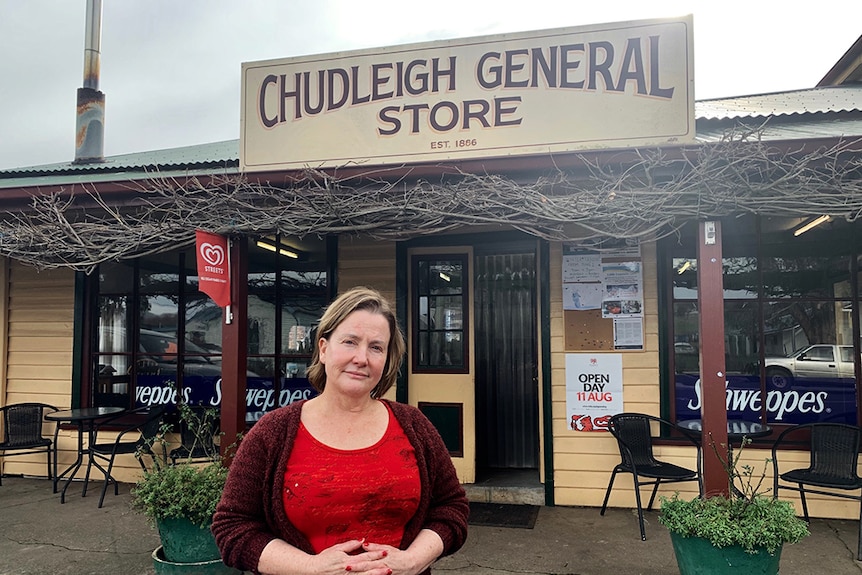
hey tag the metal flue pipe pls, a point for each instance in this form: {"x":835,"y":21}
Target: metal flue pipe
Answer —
{"x":90,"y":124}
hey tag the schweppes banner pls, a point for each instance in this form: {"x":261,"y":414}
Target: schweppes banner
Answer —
{"x":213,"y":269}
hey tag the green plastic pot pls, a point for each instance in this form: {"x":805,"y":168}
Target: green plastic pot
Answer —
{"x":185,"y":542}
{"x":696,"y":556}
{"x":213,"y":567}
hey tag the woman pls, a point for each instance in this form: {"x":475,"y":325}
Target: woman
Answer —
{"x":345,"y":481}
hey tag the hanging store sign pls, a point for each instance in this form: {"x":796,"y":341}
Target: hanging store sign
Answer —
{"x":593,"y":87}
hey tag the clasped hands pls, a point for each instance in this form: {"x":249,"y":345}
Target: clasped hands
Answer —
{"x":359,"y":556}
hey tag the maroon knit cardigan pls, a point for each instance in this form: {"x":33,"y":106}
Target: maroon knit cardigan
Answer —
{"x":251,"y":511}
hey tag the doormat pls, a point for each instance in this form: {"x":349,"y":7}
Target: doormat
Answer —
{"x":503,"y":515}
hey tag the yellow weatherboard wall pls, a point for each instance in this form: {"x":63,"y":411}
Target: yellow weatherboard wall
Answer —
{"x":583,"y":460}
{"x":38,"y":350}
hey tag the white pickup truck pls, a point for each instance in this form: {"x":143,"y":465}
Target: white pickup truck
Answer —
{"x":817,"y":361}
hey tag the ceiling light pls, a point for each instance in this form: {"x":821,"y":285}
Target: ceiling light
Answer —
{"x":282,"y":251}
{"x":813,"y":223}
{"x":445,"y":277}
{"x":683,"y":267}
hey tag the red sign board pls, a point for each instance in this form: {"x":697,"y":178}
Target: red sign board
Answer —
{"x":213,"y":268}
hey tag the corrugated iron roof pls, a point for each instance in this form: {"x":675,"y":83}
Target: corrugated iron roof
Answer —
{"x":216,"y":154}
{"x":834,"y":111}
{"x":846,"y":98}
{"x":808,"y":128}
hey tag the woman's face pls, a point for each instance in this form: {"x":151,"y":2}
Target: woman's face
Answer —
{"x":355,"y":353}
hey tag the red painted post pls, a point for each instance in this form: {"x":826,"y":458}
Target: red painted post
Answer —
{"x":235,"y":347}
{"x":710,"y":301}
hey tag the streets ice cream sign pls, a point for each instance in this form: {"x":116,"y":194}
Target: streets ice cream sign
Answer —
{"x":604,"y":86}
{"x":594,"y":390}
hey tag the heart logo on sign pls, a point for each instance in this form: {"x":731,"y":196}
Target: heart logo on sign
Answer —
{"x":213,"y":255}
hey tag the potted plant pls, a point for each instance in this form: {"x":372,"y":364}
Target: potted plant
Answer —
{"x":742,"y":532}
{"x":180,"y":495}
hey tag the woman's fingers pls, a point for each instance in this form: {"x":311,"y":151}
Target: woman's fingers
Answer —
{"x":372,"y":560}
{"x":368,"y":546}
{"x":348,"y":546}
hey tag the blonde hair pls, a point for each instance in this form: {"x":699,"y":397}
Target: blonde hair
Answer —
{"x":359,"y":299}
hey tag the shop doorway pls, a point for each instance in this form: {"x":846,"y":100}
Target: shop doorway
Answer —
{"x":506,"y":354}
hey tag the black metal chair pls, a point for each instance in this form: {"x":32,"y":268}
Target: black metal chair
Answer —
{"x":22,"y":431}
{"x":635,"y":437}
{"x":833,"y":457}
{"x":146,"y":431}
{"x":198,"y":433}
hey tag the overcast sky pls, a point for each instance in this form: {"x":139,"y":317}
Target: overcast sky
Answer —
{"x":170,"y":69}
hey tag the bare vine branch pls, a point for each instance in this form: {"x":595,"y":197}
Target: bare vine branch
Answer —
{"x":650,"y":197}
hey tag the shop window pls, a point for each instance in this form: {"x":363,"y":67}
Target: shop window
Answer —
{"x":439,"y":304}
{"x":156,"y":338}
{"x":790,"y":355}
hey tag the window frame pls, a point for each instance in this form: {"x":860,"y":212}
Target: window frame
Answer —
{"x":761,"y":245}
{"x":180,"y":264}
{"x":415,"y":295}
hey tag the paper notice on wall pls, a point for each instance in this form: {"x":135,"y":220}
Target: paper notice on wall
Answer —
{"x":582,"y":296}
{"x":594,"y":390}
{"x":623,"y":288}
{"x":582,"y":268}
{"x":621,"y":273}
{"x":607,"y":276}
{"x":628,"y":333}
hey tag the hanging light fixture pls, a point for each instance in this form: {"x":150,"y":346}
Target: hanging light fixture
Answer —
{"x":272,"y":248}
{"x":811,"y":224}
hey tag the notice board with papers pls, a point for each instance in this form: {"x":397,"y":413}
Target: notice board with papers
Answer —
{"x":603,"y":297}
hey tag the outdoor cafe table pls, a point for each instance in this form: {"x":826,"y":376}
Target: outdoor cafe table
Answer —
{"x":84,"y":419}
{"x":736,"y":428}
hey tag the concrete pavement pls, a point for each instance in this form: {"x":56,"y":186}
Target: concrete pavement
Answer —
{"x":40,"y":536}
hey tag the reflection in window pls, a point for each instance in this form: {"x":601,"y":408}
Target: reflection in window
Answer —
{"x":789,"y":345}
{"x":157,"y":339}
{"x":160,"y":273}
{"x":791,"y":326}
{"x":203,"y":321}
{"x":112,"y":364}
{"x":113,"y":318}
{"x":808,"y":277}
{"x":439,"y":305}
{"x":288,"y":293}
{"x":303,"y":306}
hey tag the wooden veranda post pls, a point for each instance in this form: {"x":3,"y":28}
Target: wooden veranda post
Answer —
{"x":710,"y":302}
{"x":235,"y":347}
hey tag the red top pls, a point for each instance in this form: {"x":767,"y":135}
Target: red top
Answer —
{"x":332,"y":495}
